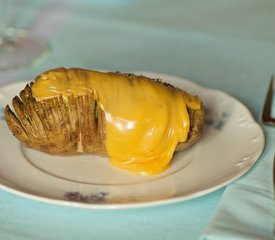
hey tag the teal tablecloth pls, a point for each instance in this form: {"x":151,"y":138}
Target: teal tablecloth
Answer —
{"x":227,"y":45}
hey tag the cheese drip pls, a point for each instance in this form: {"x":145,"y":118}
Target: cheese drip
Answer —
{"x":145,"y":120}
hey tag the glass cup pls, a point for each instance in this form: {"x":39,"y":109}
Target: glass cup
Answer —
{"x":18,"y":48}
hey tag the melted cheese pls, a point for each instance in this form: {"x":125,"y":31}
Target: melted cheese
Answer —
{"x":144,"y":119}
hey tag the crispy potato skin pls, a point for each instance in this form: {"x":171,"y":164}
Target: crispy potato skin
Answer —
{"x":54,"y":127}
{"x":61,"y":128}
{"x":196,"y":125}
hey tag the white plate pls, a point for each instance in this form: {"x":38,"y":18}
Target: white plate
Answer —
{"x":230,"y":144}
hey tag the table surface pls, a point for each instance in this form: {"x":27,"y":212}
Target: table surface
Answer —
{"x":226,"y":45}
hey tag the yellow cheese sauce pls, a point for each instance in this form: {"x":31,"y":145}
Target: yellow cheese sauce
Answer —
{"x":144,"y":119}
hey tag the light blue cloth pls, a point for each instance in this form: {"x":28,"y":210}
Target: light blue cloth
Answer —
{"x":223,"y":44}
{"x":247,"y":208}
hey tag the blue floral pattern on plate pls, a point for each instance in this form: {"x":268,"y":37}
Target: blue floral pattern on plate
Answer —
{"x":2,"y":113}
{"x":216,"y":121}
{"x":76,"y":196}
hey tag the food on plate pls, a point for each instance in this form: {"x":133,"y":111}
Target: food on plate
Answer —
{"x":136,"y":121}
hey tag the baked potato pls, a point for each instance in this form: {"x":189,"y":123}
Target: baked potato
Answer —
{"x":66,"y":111}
